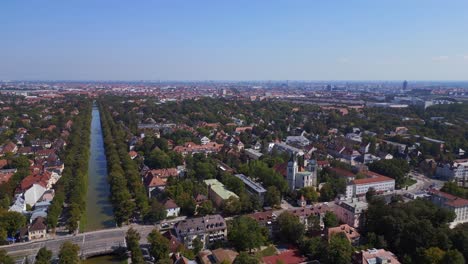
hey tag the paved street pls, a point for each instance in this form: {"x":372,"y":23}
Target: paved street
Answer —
{"x":90,"y":243}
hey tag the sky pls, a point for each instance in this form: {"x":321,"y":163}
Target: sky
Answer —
{"x":234,"y":40}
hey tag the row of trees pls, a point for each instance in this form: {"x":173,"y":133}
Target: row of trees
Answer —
{"x":72,"y":187}
{"x":21,"y":163}
{"x":413,"y":230}
{"x":127,"y":190}
{"x":68,"y":254}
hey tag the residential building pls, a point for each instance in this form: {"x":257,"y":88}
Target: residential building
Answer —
{"x":283,"y":147}
{"x":456,"y":171}
{"x":217,"y":192}
{"x":204,"y":140}
{"x":266,"y":219}
{"x":351,"y":212}
{"x":6,"y":174}
{"x":253,"y":154}
{"x":304,"y":214}
{"x":379,"y":183}
{"x":172,"y":209}
{"x":38,"y":229}
{"x":217,"y":256}
{"x":253,"y":188}
{"x":191,"y":148}
{"x":301,"y":140}
{"x":374,"y":256}
{"x":208,"y":229}
{"x":155,"y":180}
{"x":34,"y":193}
{"x":350,"y":232}
{"x":19,"y":205}
{"x":456,"y":204}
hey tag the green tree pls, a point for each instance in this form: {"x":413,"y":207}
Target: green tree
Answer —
{"x":5,"y":258}
{"x":232,"y":206}
{"x":314,"y":223}
{"x":156,"y":212}
{"x":12,"y":222}
{"x":394,"y":168}
{"x":159,"y":245}
{"x":339,"y":249}
{"x":272,"y":196}
{"x":370,"y":194}
{"x":246,"y":234}
{"x":309,"y":194}
{"x":433,"y":255}
{"x":68,"y":253}
{"x":330,"y":220}
{"x":314,"y":247}
{"x":453,"y":257}
{"x":205,"y":208}
{"x":158,"y":159}
{"x":132,"y":239}
{"x":197,"y":245}
{"x":44,"y":256}
{"x":327,"y":193}
{"x":290,"y":227}
{"x":245,"y":258}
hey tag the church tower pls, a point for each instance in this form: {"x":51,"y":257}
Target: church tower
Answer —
{"x":291,"y":172}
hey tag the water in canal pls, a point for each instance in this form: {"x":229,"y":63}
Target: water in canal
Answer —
{"x":98,"y":207}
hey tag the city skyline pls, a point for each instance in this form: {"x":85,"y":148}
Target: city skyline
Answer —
{"x":279,"y":40}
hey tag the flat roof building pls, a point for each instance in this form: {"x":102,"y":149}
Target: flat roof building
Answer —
{"x":254,"y":188}
{"x":217,"y":192}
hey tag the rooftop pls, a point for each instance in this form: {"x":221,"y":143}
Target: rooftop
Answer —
{"x":250,"y":183}
{"x":220,"y":189}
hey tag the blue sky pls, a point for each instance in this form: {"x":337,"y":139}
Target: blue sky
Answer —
{"x":234,"y":40}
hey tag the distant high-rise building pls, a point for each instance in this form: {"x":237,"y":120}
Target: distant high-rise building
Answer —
{"x":405,"y":85}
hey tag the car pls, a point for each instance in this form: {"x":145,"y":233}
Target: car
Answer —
{"x":146,"y":255}
{"x":164,"y":225}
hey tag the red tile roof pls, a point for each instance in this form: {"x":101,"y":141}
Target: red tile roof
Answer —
{"x":163,"y":173}
{"x":41,"y":179}
{"x":3,"y":163}
{"x":451,"y":200}
{"x":342,"y":172}
{"x":170,"y":204}
{"x":281,"y":168}
{"x":5,"y":177}
{"x":373,"y":179}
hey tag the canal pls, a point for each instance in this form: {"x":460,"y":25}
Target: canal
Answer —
{"x":98,"y":207}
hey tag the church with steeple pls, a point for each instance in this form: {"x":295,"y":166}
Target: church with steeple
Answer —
{"x":301,"y":175}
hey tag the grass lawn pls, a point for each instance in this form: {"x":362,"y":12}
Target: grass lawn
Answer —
{"x":269,"y":251}
{"x":409,"y":182}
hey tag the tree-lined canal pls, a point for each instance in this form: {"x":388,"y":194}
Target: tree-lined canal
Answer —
{"x":98,"y":207}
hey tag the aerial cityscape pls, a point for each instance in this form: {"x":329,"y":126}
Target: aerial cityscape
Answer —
{"x":235,"y":133}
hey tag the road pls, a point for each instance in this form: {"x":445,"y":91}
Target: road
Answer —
{"x":91,"y":243}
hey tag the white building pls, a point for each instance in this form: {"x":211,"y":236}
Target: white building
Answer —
{"x":379,"y":183}
{"x":351,"y":212}
{"x":208,"y":229}
{"x":172,"y":209}
{"x":453,"y":203}
{"x":19,"y":205}
{"x":457,"y":171}
{"x":204,"y":140}
{"x":32,"y":195}
{"x":298,"y":140}
{"x":300,"y":179}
